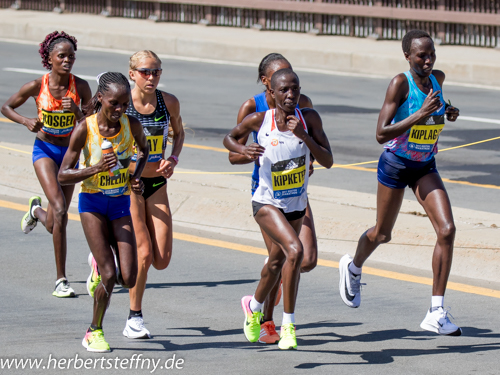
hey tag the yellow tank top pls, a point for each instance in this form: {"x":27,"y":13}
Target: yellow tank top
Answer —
{"x":104,"y":182}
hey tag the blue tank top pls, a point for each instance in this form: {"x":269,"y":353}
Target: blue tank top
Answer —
{"x":419,"y":143}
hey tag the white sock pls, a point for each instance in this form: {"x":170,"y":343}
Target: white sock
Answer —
{"x":255,"y":305}
{"x":354,"y":269}
{"x":288,"y":318}
{"x":437,"y":301}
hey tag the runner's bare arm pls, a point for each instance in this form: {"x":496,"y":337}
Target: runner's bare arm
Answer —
{"x":246,"y":108}
{"x":451,"y":111}
{"x":68,"y":175}
{"x":142,"y":153}
{"x":250,"y":123}
{"x":316,"y":140}
{"x":85,"y":94}
{"x":396,"y":92}
{"x":167,"y":165}
{"x":30,"y":89}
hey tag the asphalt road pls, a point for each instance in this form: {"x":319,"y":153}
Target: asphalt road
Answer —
{"x":211,"y":94}
{"x":193,"y":308}
{"x":193,"y":312}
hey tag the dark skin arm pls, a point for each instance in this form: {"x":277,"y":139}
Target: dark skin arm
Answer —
{"x":315,"y":139}
{"x":68,"y":175}
{"x":142,"y":154}
{"x":250,"y":123}
{"x":248,"y":108}
{"x":30,"y":89}
{"x":85,"y":94}
{"x":395,"y":96}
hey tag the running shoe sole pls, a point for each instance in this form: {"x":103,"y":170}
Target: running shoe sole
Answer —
{"x":344,"y":273}
{"x":86,"y":346}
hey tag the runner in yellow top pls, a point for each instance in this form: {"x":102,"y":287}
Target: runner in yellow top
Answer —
{"x":159,"y":114}
{"x":104,"y":201}
{"x":58,"y":96}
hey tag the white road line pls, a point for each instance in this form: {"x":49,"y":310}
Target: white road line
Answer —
{"x":42,"y":72}
{"x":479,"y":119}
{"x":252,"y":65}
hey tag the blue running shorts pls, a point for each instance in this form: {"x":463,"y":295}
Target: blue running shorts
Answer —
{"x":110,"y":207}
{"x":397,"y":172}
{"x":43,"y":149}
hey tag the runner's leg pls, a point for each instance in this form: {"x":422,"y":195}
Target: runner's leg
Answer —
{"x":55,"y":219}
{"x":432,"y":195}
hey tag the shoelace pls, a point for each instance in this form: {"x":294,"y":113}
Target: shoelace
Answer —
{"x":355,"y":283}
{"x":288,"y":330}
{"x":446,"y":312}
{"x":98,"y":336}
{"x":256,"y":318}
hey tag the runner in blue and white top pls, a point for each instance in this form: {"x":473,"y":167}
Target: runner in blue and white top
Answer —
{"x":262,"y":102}
{"x":287,"y":137}
{"x":411,"y":119}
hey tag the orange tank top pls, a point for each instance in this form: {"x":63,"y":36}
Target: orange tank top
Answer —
{"x":56,"y":121}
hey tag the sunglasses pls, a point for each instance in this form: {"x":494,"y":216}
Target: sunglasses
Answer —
{"x":145,"y":73}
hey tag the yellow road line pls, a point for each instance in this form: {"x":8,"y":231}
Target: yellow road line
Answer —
{"x":321,"y":262}
{"x":5,"y":120}
{"x":469,"y":144}
{"x":14,"y":149}
{"x":218,"y":149}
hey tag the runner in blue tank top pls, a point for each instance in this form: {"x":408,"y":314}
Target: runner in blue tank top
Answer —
{"x":411,"y":119}
{"x":260,"y":103}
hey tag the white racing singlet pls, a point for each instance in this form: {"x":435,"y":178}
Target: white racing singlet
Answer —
{"x":284,"y":166}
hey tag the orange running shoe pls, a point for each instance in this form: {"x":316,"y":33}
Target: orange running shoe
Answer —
{"x":268,"y":334}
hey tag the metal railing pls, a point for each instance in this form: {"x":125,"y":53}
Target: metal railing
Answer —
{"x":463,"y":22}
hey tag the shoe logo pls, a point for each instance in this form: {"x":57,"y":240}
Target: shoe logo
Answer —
{"x":348,"y":296}
{"x":158,"y":119}
{"x":440,"y":325}
{"x":159,"y":183}
{"x":300,"y":142}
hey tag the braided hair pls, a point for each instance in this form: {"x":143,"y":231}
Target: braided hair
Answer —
{"x":51,"y":40}
{"x":267,"y":61}
{"x":410,"y":35}
{"x":104,"y":80}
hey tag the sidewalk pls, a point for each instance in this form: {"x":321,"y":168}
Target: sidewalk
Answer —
{"x":333,"y":53}
{"x":340,"y":217}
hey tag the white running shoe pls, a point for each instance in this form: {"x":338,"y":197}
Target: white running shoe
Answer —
{"x":29,"y":221}
{"x":134,"y":329}
{"x":349,"y":285}
{"x":63,"y":290}
{"x":437,"y":321}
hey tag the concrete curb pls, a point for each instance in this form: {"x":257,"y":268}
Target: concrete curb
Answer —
{"x":340,"y":217}
{"x":330,"y":53}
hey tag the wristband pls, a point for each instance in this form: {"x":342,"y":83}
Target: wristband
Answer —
{"x":174,"y":158}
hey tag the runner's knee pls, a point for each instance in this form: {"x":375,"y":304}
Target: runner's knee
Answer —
{"x":446,"y":233}
{"x":308,"y":264}
{"x":295,"y":254}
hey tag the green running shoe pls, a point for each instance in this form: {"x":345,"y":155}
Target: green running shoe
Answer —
{"x":62,"y":289}
{"x":288,"y":339}
{"x":94,"y":341}
{"x":251,"y":325}
{"x":28,"y":222}
{"x":94,"y":278}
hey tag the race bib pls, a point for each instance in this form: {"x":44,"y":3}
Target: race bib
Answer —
{"x":424,"y":135}
{"x":155,"y":143}
{"x":289,"y":177}
{"x":154,"y":135}
{"x":113,"y":185}
{"x":58,"y":123}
